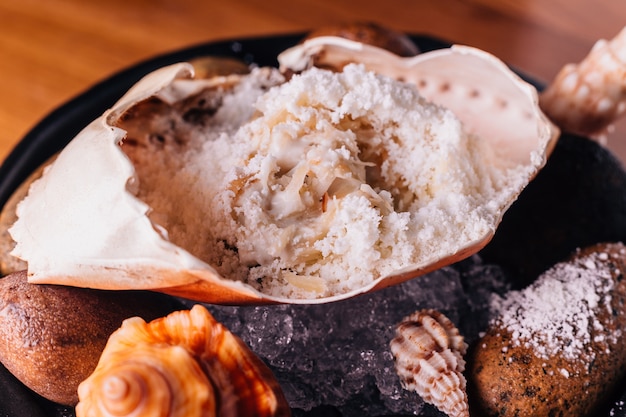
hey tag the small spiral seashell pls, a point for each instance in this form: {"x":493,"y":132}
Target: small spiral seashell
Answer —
{"x":182,"y":365}
{"x":428,"y":352}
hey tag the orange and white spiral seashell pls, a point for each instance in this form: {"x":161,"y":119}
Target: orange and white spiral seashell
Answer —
{"x":183,"y":365}
{"x":428,"y":351}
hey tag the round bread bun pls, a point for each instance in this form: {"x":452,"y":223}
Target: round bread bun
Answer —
{"x":9,"y":263}
{"x":557,"y":347}
{"x":371,"y":34}
{"x":51,"y":337}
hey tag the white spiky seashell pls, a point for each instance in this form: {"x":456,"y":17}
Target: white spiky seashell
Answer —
{"x":428,"y":351}
{"x":588,"y":97}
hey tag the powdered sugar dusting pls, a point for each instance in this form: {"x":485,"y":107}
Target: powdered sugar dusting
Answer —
{"x":557,"y":315}
{"x":323,"y":184}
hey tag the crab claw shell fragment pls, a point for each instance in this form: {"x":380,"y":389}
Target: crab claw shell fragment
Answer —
{"x":183,"y":365}
{"x":81,"y":224}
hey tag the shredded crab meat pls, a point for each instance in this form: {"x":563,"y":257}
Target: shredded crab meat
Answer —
{"x":329,"y":185}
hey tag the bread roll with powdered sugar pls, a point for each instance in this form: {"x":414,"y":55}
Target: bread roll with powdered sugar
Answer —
{"x":558,"y":346}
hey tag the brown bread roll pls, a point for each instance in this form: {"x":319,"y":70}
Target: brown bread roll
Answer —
{"x":557,"y":347}
{"x":372,"y":34}
{"x":51,"y":337}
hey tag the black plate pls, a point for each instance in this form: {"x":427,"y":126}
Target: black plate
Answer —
{"x":59,"y":127}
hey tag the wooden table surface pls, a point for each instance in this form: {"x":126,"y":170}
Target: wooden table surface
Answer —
{"x":52,"y":50}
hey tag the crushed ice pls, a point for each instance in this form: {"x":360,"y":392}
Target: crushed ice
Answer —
{"x":336,"y":358}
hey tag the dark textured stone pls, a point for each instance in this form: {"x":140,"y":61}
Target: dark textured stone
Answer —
{"x":16,"y":399}
{"x":577,"y":200}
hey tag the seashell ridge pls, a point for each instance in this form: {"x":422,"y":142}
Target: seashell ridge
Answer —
{"x":428,"y":352}
{"x":182,"y":365}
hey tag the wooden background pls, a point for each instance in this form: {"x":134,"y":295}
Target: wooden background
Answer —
{"x":52,"y":50}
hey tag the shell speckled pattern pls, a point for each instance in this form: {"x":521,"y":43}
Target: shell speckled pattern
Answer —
{"x":183,"y":365}
{"x":586,"y":98}
{"x":428,"y":352}
{"x":504,"y":108}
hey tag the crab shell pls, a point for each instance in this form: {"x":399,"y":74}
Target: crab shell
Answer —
{"x":87,"y":229}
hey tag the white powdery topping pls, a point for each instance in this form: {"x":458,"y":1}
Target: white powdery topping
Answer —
{"x":337,"y":180}
{"x":557,"y":315}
